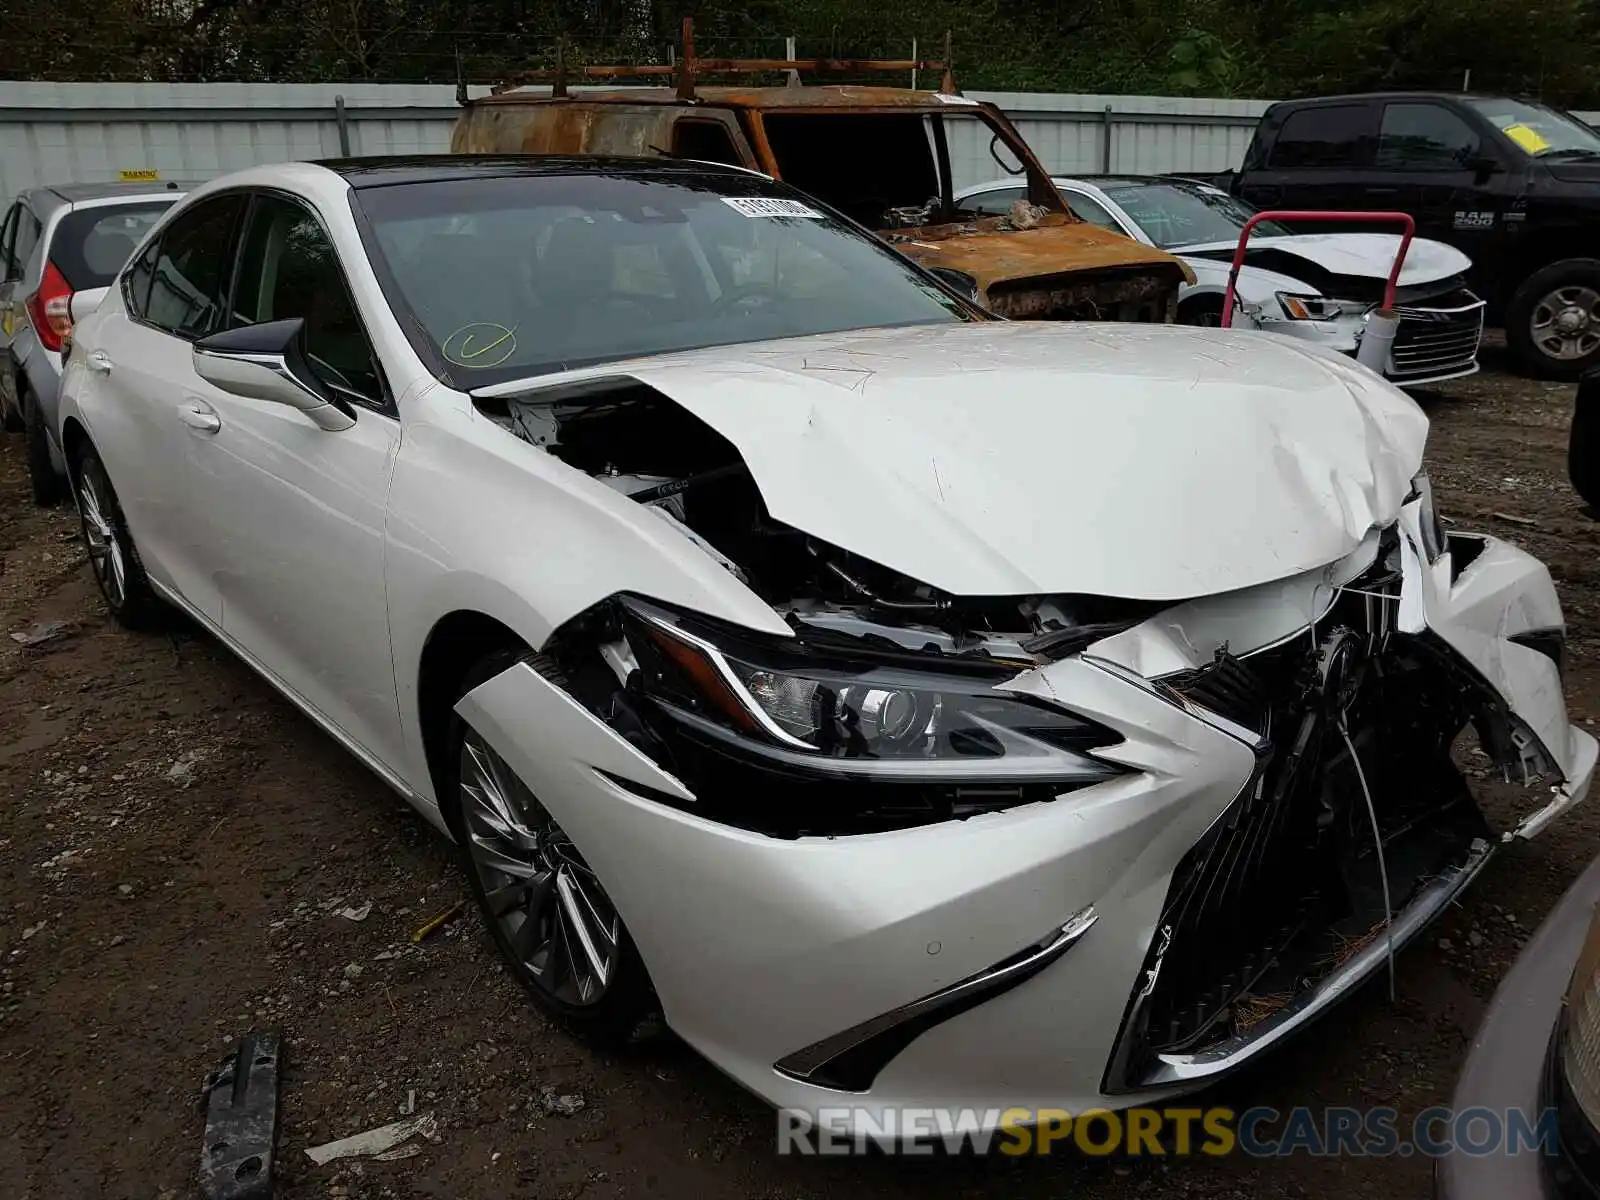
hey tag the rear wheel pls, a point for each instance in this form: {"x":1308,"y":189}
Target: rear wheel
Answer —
{"x":545,"y":908}
{"x":46,"y":484}
{"x":1553,"y":320}
{"x":112,"y":554}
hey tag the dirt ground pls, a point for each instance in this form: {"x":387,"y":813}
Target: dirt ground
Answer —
{"x":176,"y":842}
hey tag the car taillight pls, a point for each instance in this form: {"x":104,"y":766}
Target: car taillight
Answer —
{"x":51,"y":308}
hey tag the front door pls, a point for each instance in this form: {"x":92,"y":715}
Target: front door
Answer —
{"x":1431,"y":157}
{"x":294,"y":521}
{"x":8,"y":317}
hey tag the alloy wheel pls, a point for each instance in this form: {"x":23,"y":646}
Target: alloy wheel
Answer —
{"x":105,"y":548}
{"x":557,"y":920}
{"x":1565,"y":324}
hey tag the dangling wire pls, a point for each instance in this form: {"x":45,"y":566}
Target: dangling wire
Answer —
{"x":1377,"y":841}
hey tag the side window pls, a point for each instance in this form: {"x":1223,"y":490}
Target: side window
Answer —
{"x":996,"y":203}
{"x":289,"y":269}
{"x":189,"y":284}
{"x":1092,"y":211}
{"x":707,"y":141}
{"x":1326,"y":138}
{"x":1424,"y":137}
{"x":8,"y":236}
{"x":136,"y":281}
{"x":27,"y":239}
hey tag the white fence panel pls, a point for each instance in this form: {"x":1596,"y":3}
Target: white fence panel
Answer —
{"x":65,"y":132}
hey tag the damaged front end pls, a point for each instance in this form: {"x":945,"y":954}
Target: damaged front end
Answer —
{"x":1356,"y":827}
{"x":895,"y":706}
{"x":879,"y":712}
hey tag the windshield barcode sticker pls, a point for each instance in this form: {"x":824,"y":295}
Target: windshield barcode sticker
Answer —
{"x":768,"y":206}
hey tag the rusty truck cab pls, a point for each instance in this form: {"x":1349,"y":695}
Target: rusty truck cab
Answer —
{"x":880,"y":155}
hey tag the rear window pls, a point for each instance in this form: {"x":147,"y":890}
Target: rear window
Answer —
{"x":91,"y":244}
{"x":1327,"y":138}
{"x":863,"y":164}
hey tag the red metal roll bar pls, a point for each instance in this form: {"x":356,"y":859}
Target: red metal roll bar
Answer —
{"x":1366,"y":218}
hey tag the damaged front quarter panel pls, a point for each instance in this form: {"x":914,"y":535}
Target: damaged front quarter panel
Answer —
{"x":1488,"y":601}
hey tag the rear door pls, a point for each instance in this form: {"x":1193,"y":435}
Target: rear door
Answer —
{"x":293,"y":526}
{"x":1318,"y":159}
{"x":145,"y":391}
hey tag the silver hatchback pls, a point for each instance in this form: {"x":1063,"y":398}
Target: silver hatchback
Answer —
{"x":60,"y":246}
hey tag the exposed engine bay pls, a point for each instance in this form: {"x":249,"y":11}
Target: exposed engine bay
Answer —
{"x":892,"y":710}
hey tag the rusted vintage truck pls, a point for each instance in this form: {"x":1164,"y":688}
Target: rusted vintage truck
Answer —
{"x":880,"y":155}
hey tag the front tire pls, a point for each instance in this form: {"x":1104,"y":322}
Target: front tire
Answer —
{"x":1205,"y":311}
{"x":1553,"y":320}
{"x":46,"y":484}
{"x":113,"y":557}
{"x":546,"y":910}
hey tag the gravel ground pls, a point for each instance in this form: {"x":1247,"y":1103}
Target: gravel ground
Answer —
{"x":176,"y":844}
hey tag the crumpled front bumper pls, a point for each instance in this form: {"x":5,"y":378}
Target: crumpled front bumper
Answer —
{"x":1343,"y":336}
{"x":761,"y":947}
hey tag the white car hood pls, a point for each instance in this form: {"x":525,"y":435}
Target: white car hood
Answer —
{"x":996,"y":459}
{"x":1368,"y":255}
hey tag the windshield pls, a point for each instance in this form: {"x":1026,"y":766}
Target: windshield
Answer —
{"x":1179,"y":214}
{"x":519,"y":275}
{"x":1539,"y":131}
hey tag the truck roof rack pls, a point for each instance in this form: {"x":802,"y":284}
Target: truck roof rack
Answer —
{"x":688,"y":66}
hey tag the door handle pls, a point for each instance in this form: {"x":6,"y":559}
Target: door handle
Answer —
{"x":1383,"y":191}
{"x":199,"y":415}
{"x":99,"y":362}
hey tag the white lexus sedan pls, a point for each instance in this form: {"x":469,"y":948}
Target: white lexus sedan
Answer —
{"x":1315,"y":286}
{"x":906,"y":706}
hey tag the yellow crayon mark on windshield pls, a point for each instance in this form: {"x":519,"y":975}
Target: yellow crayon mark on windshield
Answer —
{"x":481,"y":345}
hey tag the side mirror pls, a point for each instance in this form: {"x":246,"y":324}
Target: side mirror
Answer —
{"x":1483,"y":165}
{"x":84,"y":303}
{"x":268,"y":362}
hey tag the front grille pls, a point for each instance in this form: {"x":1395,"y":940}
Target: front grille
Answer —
{"x":1228,"y":687}
{"x":1283,"y":887}
{"x":1437,"y":338}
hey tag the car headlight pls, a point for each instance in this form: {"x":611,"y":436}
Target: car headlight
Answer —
{"x":1315,"y":308}
{"x":843,"y":714}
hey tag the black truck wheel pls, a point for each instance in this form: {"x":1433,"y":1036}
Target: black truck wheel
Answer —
{"x":1553,"y":320}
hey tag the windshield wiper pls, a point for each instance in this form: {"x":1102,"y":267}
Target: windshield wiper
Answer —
{"x":1570,"y":152}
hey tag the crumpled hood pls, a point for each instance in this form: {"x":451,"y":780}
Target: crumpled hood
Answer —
{"x":993,"y":459}
{"x":1365,"y":255}
{"x":991,"y":253}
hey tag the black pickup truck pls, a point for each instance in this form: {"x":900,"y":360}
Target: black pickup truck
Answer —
{"x":1512,"y":184}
